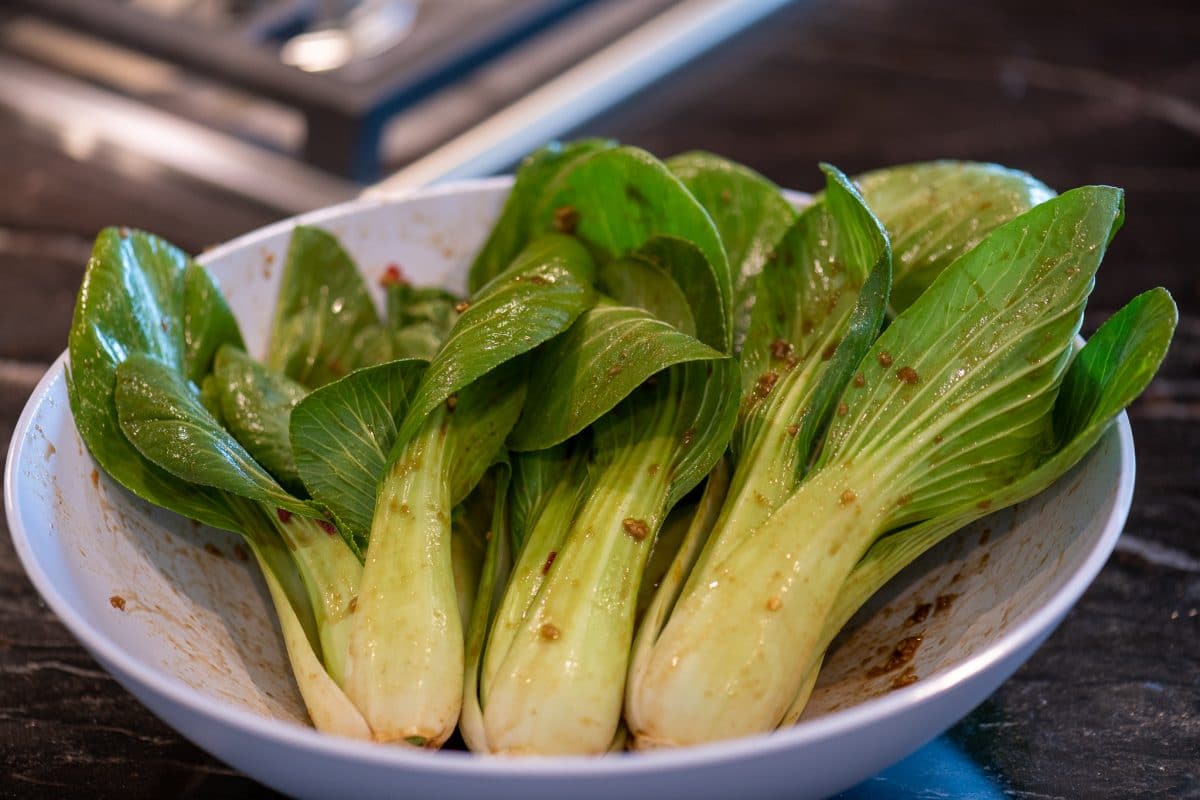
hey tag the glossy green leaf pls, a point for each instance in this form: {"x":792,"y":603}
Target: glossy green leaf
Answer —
{"x":256,"y":405}
{"x":750,"y":213}
{"x":419,"y":318}
{"x":617,"y":200}
{"x":1116,"y":365}
{"x":323,"y":306}
{"x":131,"y":302}
{"x":482,"y":417}
{"x":636,"y":283}
{"x":821,"y":302}
{"x":805,"y":295}
{"x":516,"y":225}
{"x":937,"y":211}
{"x":164,"y":419}
{"x":341,"y":435}
{"x":605,"y":355}
{"x":688,"y":267}
{"x":1112,"y":369}
{"x":958,"y":392}
{"x":208,"y":324}
{"x":210,"y":396}
{"x":860,"y":332}
{"x":547,"y":287}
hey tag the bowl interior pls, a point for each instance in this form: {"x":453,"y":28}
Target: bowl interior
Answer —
{"x":185,"y":603}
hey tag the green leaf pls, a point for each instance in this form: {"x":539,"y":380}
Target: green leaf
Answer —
{"x":939,"y":210}
{"x":959,"y":390}
{"x":813,"y":321}
{"x":210,"y":396}
{"x":1112,"y":369}
{"x":323,"y":306}
{"x":820,"y":305}
{"x":483,"y":415}
{"x":516,"y":226}
{"x":341,"y":435}
{"x":164,"y":419}
{"x":1116,"y":364}
{"x":256,"y":404}
{"x":131,"y":302}
{"x":419,"y":319}
{"x":537,"y":298}
{"x":647,"y":286}
{"x":688,"y":267}
{"x":605,"y":355}
{"x":804,"y":296}
{"x":208,"y":324}
{"x":860,"y":332}
{"x":690,"y":409}
{"x":750,"y":213}
{"x":616,"y":200}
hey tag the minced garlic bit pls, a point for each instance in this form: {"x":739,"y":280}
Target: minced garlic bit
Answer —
{"x":636,"y":528}
{"x":766,"y":382}
{"x":566,"y":219}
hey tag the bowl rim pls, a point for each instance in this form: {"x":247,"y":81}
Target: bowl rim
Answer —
{"x":283,"y":733}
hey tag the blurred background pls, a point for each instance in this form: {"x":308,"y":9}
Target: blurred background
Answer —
{"x":203,"y":119}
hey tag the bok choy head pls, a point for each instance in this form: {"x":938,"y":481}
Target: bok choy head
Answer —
{"x":642,"y":391}
{"x":147,"y":327}
{"x":956,"y":402}
{"x":419,"y":454}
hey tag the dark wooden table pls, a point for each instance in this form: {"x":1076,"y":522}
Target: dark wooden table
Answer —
{"x":1075,"y":92}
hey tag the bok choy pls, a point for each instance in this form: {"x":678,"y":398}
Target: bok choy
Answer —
{"x":628,"y":490}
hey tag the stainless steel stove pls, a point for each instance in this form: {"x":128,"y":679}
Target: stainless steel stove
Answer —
{"x":299,"y":101}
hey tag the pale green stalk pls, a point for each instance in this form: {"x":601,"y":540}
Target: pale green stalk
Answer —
{"x":957,"y":404}
{"x":331,"y":576}
{"x":406,"y":644}
{"x":547,"y":535}
{"x":576,"y":634}
{"x":766,"y":598}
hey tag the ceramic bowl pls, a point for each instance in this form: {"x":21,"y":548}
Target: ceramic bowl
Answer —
{"x":181,"y":619}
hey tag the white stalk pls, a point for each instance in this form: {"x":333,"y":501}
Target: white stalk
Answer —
{"x":405,"y":669}
{"x":726,"y":662}
{"x":559,"y":687}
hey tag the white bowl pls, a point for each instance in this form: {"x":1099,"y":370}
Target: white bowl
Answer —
{"x":196,"y":641}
